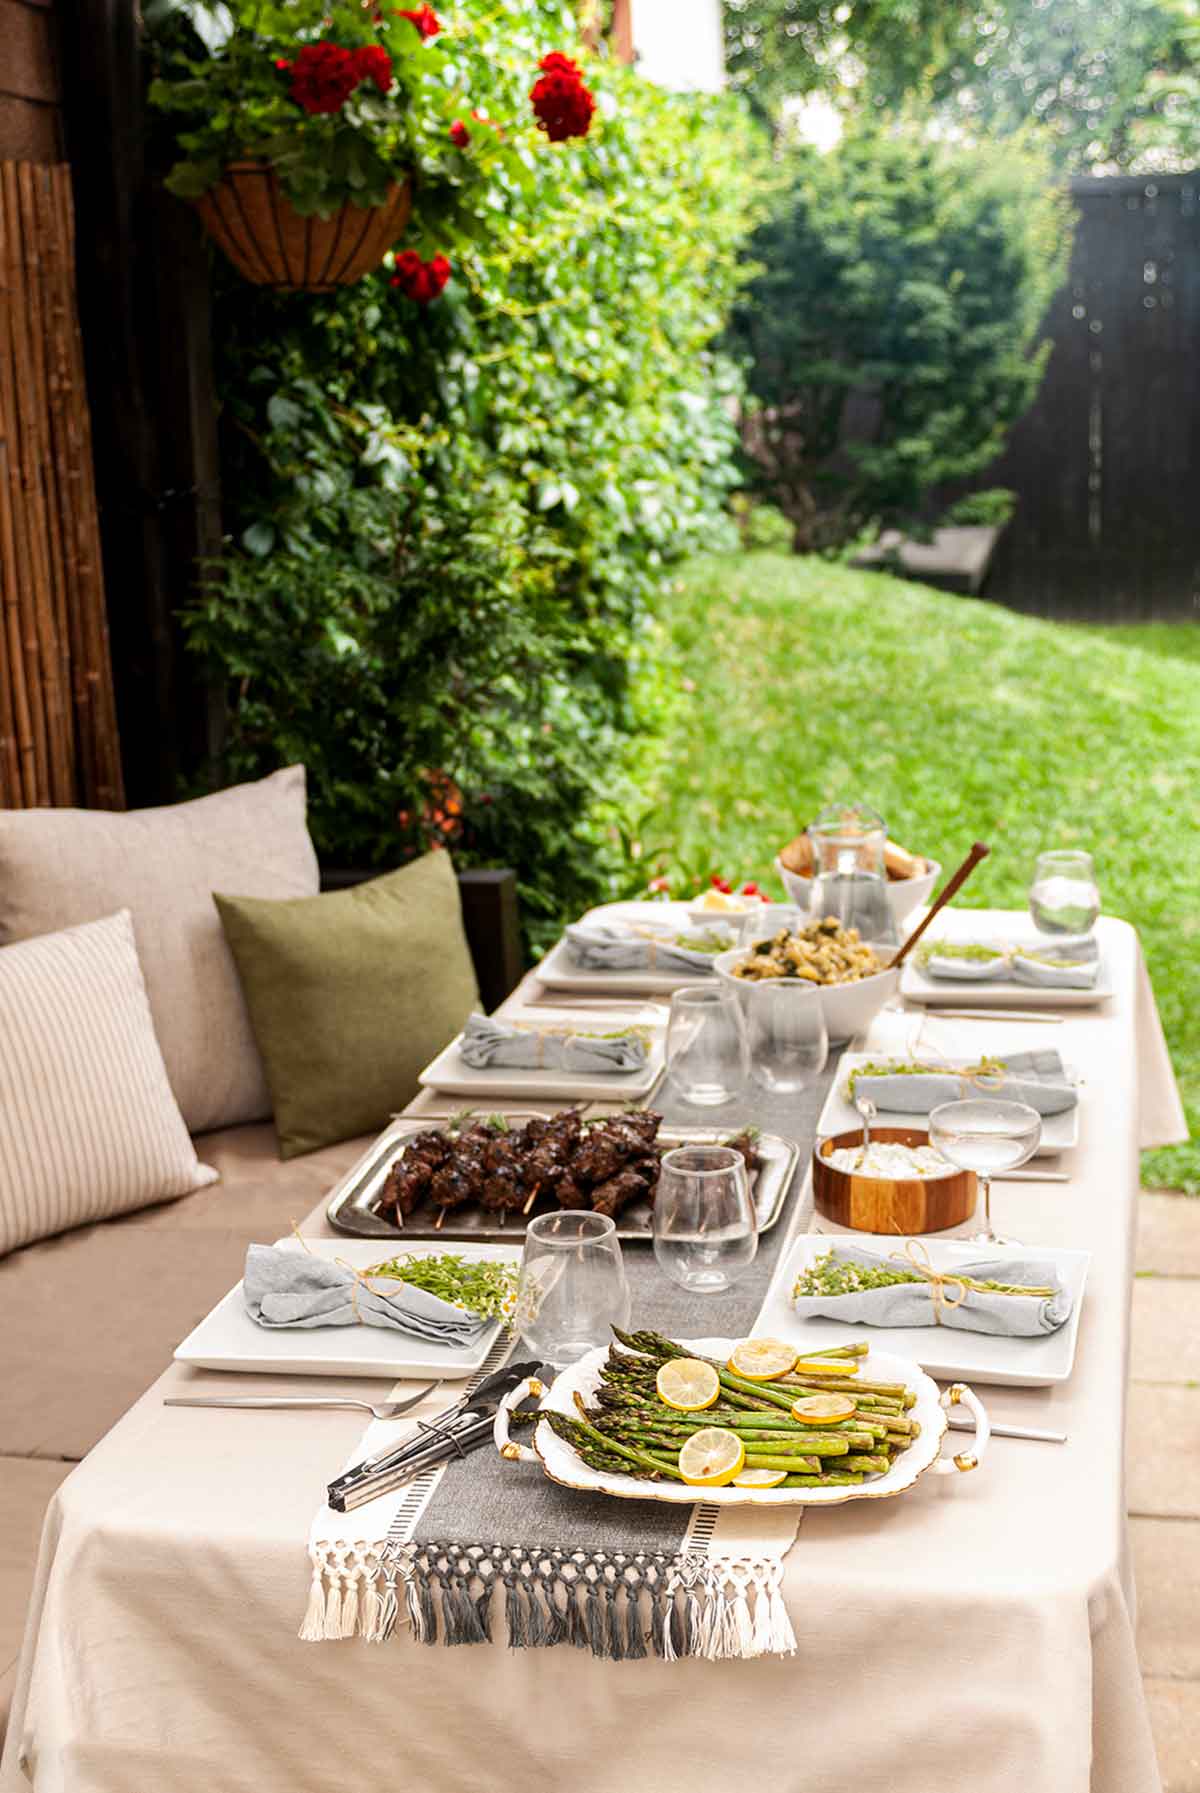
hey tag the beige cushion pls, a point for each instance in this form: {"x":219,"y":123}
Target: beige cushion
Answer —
{"x":59,"y":867}
{"x":89,"y":1126}
{"x":137,"y":1286}
{"x":351,"y":995}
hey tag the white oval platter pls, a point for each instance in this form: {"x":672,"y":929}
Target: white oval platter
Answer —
{"x":562,"y":1464}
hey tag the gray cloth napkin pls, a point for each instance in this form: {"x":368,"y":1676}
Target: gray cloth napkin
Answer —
{"x":1048,"y":970}
{"x":286,"y":1287}
{"x":1069,"y":962}
{"x":1036,"y":1078}
{"x":966,"y":971}
{"x":486,"y":1041}
{"x":599,"y":947}
{"x":911,"y":1304}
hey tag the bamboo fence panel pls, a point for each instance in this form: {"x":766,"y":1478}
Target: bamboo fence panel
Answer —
{"x":58,"y":726}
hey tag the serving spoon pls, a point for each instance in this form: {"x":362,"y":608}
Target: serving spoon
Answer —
{"x":949,"y":889}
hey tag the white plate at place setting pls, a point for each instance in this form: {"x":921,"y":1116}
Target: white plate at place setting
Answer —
{"x":943,"y":1351}
{"x":1060,"y":1132}
{"x":559,"y":971}
{"x":228,"y":1339}
{"x":453,"y":1076}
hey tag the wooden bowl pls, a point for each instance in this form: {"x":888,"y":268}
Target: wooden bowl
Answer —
{"x":901,"y":1205}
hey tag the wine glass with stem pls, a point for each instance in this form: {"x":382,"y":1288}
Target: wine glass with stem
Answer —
{"x":986,"y":1137}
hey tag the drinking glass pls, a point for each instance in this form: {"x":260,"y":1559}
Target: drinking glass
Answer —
{"x":708,"y":1058}
{"x":1064,"y":897}
{"x":705,"y":1227}
{"x":985,"y":1137}
{"x":788,"y":1040}
{"x":572,"y":1289}
{"x":766,"y":920}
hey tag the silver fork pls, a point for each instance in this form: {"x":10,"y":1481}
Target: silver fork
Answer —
{"x":377,"y":1409}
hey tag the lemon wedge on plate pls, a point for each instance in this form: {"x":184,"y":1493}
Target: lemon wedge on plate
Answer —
{"x":759,"y":1360}
{"x":711,"y":1458}
{"x":760,"y":1478}
{"x":687,"y":1384}
{"x":827,"y":1367}
{"x":822,"y":1410}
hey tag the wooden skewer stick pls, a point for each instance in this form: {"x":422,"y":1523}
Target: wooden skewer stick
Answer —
{"x":528,"y":1208}
{"x":437,"y":1225}
{"x":978,"y":852}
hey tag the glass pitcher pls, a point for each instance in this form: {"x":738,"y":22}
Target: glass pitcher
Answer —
{"x":849,"y":873}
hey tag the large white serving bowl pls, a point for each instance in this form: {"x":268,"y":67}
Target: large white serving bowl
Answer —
{"x":849,"y":1009}
{"x":904,"y":894}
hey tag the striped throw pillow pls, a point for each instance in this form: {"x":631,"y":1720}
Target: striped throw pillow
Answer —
{"x":88,"y":1124}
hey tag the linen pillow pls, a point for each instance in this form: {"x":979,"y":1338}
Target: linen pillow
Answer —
{"x":59,"y":867}
{"x":90,"y":1127}
{"x":351,"y":994}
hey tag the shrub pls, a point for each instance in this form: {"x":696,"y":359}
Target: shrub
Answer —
{"x":892,"y":334}
{"x":451,"y":520}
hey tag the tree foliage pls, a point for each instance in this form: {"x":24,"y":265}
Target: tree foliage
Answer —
{"x":892,"y":332}
{"x":450,"y":523}
{"x":1108,"y":81}
{"x":1087,"y":72}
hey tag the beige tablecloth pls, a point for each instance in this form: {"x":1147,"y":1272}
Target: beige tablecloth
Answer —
{"x":975,"y":1633}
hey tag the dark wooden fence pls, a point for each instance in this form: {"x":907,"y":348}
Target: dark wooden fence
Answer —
{"x":1107,"y":463}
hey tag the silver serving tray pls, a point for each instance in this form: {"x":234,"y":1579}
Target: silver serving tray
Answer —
{"x":354,"y":1205}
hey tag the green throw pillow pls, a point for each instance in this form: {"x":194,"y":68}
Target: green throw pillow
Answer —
{"x":351,"y":994}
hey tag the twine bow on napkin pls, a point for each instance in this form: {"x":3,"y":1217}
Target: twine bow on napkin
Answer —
{"x":915,"y":1256}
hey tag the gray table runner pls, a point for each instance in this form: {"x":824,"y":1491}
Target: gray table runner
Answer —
{"x":573,"y":1565}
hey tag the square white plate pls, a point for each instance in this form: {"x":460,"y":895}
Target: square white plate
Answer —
{"x":943,"y":1351}
{"x":558,"y":971}
{"x":228,"y":1339}
{"x":450,"y":1072}
{"x":1002,"y":993}
{"x":1059,"y":1131}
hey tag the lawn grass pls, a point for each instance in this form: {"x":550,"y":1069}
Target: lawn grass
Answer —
{"x":960,"y":721}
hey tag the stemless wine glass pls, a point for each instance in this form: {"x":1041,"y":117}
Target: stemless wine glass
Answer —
{"x":985,"y":1137}
{"x":766,"y":920}
{"x":789,"y":1043}
{"x":708,"y":1058}
{"x":705,"y":1227}
{"x":1064,"y":897}
{"x":572,"y":1289}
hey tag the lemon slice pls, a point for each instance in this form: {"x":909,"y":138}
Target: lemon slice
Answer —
{"x":759,"y":1360}
{"x":687,"y":1385}
{"x":820,"y":1410}
{"x":711,"y":1458}
{"x":827,"y":1367}
{"x":760,"y":1478}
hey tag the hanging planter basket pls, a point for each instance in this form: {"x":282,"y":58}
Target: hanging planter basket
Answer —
{"x":271,"y":244}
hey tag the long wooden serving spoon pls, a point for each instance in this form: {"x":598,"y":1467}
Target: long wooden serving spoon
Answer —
{"x":955,"y":884}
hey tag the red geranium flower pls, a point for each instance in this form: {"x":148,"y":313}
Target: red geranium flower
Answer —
{"x":372,"y":63}
{"x":423,"y":17}
{"x":459,"y":134}
{"x":323,"y":77}
{"x":420,"y":281}
{"x":563,"y":103}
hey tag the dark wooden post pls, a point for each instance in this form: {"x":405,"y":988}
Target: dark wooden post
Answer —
{"x":144,"y":310}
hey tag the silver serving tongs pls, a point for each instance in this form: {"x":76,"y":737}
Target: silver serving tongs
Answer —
{"x":459,"y":1429}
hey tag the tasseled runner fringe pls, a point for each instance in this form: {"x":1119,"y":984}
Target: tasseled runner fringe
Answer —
{"x":620,"y":1607}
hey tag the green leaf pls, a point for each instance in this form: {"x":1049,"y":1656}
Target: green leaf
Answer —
{"x":259,"y":539}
